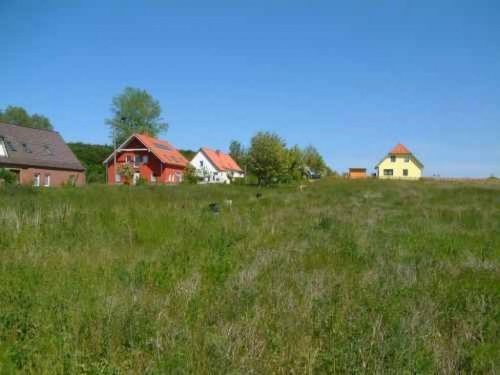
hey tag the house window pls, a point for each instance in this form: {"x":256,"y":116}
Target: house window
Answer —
{"x":407,"y":159}
{"x":388,"y":172}
{"x":72,"y":180}
{"x":137,"y":160}
{"x":117,"y":178}
{"x":47,"y":180}
{"x":145,"y":159}
{"x":36,"y":180}
{"x":393,"y":159}
{"x":10,"y":145}
{"x":153,"y":178}
{"x":201,"y":163}
{"x":3,"y":150}
{"x":405,"y":172}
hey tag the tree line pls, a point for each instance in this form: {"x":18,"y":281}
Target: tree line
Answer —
{"x":267,"y":159}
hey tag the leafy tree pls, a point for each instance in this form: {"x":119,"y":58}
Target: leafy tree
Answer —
{"x":92,"y":156}
{"x":19,"y":116}
{"x":188,"y":154}
{"x":7,"y":177}
{"x":239,"y":154}
{"x":267,"y":157}
{"x":135,"y":111}
{"x":314,"y":160}
{"x":295,"y":163}
{"x":190,"y":175}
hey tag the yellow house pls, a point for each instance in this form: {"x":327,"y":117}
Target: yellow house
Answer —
{"x":400,"y":163}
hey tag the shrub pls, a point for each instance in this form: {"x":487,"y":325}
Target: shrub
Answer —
{"x":7,"y":177}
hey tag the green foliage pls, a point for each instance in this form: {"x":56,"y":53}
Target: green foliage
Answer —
{"x":267,"y":158}
{"x":135,"y":111}
{"x":188,"y":154}
{"x":314,"y":160}
{"x":365,"y":277}
{"x":239,"y":154}
{"x":19,"y":116}
{"x":7,"y":177}
{"x":190,"y":176}
{"x":92,"y":156}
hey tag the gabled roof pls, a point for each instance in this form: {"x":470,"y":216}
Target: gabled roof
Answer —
{"x":36,"y":148}
{"x":220,"y":160}
{"x":399,"y":149}
{"x":163,"y":150}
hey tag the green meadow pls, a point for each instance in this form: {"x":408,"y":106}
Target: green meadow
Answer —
{"x":342,"y":277}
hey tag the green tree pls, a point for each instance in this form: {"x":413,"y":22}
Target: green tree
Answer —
{"x":295,"y":163}
{"x":19,"y":116}
{"x":268,"y":158}
{"x":92,"y":156}
{"x":135,"y":111}
{"x":238,"y":153}
{"x":314,"y":160}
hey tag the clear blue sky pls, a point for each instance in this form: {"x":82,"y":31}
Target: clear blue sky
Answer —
{"x":352,"y":78}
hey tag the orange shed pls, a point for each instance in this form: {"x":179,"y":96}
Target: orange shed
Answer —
{"x":357,"y":173}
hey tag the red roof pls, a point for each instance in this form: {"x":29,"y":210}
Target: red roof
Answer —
{"x":221,"y":161}
{"x":165,"y":151}
{"x":400,"y":149}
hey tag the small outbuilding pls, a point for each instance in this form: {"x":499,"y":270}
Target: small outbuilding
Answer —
{"x":357,"y":173}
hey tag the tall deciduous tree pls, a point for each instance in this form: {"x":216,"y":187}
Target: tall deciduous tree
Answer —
{"x":19,"y":116}
{"x":135,"y":111}
{"x":268,"y":157}
{"x":314,"y":160}
{"x":238,"y":153}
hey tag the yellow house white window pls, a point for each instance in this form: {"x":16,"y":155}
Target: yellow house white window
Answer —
{"x":393,"y":159}
{"x":388,"y":172}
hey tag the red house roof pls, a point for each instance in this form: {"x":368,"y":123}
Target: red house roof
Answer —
{"x":400,"y":149}
{"x":165,"y":151}
{"x":220,"y":160}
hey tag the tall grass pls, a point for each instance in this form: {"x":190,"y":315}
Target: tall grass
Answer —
{"x":345,"y":276}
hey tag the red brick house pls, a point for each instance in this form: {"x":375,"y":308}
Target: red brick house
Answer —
{"x":151,"y":159}
{"x":38,"y":157}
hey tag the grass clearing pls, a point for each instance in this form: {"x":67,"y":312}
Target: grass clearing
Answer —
{"x":345,"y":276}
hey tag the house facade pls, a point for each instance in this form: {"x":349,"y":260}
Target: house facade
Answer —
{"x":145,"y":158}
{"x":215,"y":167}
{"x":38,"y":157}
{"x":400,"y":163}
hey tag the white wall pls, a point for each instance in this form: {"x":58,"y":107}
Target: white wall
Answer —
{"x":210,"y":174}
{"x":207,"y":170}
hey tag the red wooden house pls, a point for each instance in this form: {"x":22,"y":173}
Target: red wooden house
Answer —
{"x":150,"y":159}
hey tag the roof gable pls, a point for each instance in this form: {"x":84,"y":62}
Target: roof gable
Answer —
{"x":36,"y":148}
{"x":221,"y":160}
{"x":400,"y":149}
{"x":163,"y":150}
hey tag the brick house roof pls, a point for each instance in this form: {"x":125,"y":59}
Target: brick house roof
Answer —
{"x":163,"y":150}
{"x":36,"y":148}
{"x":220,"y":160}
{"x":399,"y":149}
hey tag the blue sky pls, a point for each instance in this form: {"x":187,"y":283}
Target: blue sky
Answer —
{"x":351,"y":78}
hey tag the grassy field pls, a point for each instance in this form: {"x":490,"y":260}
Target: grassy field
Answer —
{"x":345,"y":276}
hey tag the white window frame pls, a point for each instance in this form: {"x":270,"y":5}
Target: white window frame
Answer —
{"x":36,"y":180}
{"x":3,"y":149}
{"x":407,"y":159}
{"x":388,"y":170}
{"x":393,"y":158}
{"x":46,"y":182}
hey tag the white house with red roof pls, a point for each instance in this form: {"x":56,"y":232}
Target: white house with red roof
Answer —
{"x":152,"y":160}
{"x":400,"y":163}
{"x":216,"y":167}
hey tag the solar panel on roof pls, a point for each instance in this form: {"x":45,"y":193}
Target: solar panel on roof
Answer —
{"x":163,"y":147}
